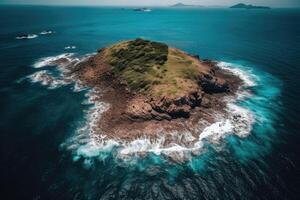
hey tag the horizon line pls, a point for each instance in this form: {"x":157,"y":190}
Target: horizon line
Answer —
{"x":133,"y":5}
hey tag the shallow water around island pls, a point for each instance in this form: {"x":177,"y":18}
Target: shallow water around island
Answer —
{"x":47,"y":151}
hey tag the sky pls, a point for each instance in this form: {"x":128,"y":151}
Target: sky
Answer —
{"x":272,"y":3}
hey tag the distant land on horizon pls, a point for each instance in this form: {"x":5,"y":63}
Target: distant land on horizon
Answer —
{"x":181,"y":5}
{"x":249,"y":6}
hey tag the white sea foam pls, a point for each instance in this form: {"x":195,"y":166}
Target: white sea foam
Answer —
{"x":70,"y":47}
{"x":85,"y":142}
{"x":63,"y":63}
{"x":78,"y":86}
{"x":246,"y":76}
{"x":157,"y":145}
{"x":45,"y":78}
{"x":238,"y":121}
{"x":28,"y":36}
{"x":46,"y":32}
{"x":54,"y":60}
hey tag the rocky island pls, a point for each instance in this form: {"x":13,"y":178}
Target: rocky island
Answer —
{"x":249,"y":6}
{"x":181,"y":5}
{"x":153,"y":88}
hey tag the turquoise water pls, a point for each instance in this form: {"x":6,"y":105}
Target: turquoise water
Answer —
{"x":44,"y":157}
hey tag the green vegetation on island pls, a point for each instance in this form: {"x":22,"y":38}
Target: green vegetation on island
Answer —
{"x":155,"y":68}
{"x":149,"y":84}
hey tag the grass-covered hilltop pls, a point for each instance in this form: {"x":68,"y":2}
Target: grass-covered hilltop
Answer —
{"x":157,"y":70}
{"x":144,"y":80}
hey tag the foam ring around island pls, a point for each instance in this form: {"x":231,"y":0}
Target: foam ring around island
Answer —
{"x":85,"y":143}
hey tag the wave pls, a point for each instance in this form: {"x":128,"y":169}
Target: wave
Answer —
{"x":33,"y":35}
{"x":28,"y":36}
{"x":61,"y":63}
{"x":46,"y":32}
{"x":86,"y":142}
{"x":61,"y":59}
{"x":238,"y":123}
{"x":249,"y":79}
{"x":45,"y":78}
{"x":70,"y":47}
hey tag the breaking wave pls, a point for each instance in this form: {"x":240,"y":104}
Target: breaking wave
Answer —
{"x":49,"y":79}
{"x":28,"y":36}
{"x":61,"y":59}
{"x":46,"y":32}
{"x":45,"y":78}
{"x":33,"y":35}
{"x":70,"y":47}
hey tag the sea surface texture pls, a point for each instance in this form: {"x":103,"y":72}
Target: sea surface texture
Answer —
{"x":48,"y":150}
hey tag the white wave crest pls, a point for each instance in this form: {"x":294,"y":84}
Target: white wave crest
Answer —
{"x":45,"y":78}
{"x":247,"y":77}
{"x":54,"y":60}
{"x":79,"y":86}
{"x":46,"y":32}
{"x":63,"y":63}
{"x":28,"y":36}
{"x":86,"y":142}
{"x":70,"y":47}
{"x":238,"y":122}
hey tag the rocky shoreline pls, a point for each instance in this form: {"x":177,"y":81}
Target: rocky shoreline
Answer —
{"x":134,"y":114}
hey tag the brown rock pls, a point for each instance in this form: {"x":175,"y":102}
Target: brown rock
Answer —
{"x":211,"y":84}
{"x":135,"y":113}
{"x":205,"y":102}
{"x":138,"y":109}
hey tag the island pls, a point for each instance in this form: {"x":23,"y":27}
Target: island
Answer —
{"x":152,"y":88}
{"x":249,"y":6}
{"x":181,"y":5}
{"x":142,"y":9}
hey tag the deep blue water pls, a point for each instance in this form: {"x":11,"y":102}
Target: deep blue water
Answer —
{"x":36,"y":122}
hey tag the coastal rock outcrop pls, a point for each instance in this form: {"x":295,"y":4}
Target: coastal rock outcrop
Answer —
{"x":150,"y":86}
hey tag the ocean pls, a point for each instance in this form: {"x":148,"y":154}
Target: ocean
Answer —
{"x":49,"y":152}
